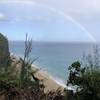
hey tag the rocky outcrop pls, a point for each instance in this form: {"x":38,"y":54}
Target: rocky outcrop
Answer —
{"x":4,"y":51}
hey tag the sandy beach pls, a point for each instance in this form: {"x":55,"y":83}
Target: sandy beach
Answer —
{"x":49,"y":83}
{"x":46,"y":79}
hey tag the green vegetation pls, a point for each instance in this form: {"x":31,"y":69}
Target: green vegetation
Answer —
{"x":26,"y":70}
{"x":86,"y":77}
{"x":23,"y":85}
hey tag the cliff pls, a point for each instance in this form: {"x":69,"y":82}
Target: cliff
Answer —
{"x":4,"y":51}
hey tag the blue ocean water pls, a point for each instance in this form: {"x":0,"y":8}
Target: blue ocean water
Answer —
{"x":54,"y":57}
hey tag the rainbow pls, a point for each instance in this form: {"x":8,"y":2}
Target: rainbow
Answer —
{"x":61,"y":13}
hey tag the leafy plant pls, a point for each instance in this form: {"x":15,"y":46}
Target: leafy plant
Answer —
{"x":86,"y":76}
{"x":26,"y":68}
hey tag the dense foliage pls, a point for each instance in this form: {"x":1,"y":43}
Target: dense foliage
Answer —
{"x":86,"y":77}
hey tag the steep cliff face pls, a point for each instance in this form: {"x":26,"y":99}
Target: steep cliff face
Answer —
{"x":4,"y":51}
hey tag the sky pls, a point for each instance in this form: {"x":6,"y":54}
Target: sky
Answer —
{"x":51,"y":20}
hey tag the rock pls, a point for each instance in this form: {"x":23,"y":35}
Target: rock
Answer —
{"x":4,"y":51}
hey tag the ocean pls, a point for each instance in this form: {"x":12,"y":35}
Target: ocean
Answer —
{"x":55,"y":58}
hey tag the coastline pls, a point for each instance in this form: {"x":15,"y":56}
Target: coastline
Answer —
{"x":51,"y":83}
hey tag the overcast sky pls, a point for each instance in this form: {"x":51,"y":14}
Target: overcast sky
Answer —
{"x":51,"y":20}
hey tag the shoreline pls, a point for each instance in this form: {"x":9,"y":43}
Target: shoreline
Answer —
{"x":51,"y":83}
{"x":53,"y":77}
{"x":55,"y":83}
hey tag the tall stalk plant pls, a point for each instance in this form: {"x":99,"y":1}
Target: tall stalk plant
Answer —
{"x":26,"y":63}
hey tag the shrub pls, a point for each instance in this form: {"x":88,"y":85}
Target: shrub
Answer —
{"x":86,"y":76}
